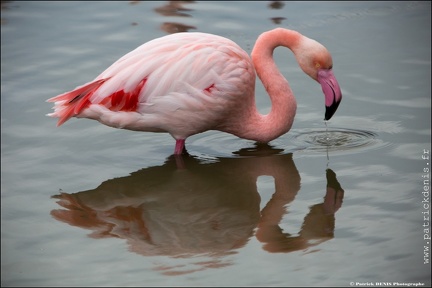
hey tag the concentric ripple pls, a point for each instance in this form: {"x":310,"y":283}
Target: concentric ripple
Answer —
{"x":335,"y":140}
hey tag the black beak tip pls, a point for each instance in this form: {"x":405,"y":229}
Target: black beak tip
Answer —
{"x":330,"y":110}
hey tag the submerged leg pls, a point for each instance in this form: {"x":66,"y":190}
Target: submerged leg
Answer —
{"x":180,"y":147}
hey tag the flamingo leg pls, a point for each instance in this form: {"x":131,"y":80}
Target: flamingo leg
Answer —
{"x":180,"y":147}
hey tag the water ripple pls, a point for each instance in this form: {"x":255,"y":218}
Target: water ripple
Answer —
{"x":340,"y":140}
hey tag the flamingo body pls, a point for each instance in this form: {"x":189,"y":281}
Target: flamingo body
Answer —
{"x":188,"y":83}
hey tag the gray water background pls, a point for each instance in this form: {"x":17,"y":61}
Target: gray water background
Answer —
{"x":382,"y":60}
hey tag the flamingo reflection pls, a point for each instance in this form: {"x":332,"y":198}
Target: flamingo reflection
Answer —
{"x":207,"y":209}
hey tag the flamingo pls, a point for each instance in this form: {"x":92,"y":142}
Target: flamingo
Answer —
{"x":190,"y":82}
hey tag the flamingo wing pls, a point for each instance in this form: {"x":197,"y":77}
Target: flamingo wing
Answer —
{"x":182,"y":73}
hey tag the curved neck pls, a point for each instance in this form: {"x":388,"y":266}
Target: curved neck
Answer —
{"x":264,"y":128}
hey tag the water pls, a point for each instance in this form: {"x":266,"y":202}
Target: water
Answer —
{"x":326,"y":204}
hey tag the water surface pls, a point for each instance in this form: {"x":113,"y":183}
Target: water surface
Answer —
{"x":326,"y":204}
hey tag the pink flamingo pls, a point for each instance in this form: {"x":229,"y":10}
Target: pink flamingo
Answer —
{"x":188,"y":83}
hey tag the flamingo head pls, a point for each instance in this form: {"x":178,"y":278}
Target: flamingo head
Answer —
{"x":316,"y":61}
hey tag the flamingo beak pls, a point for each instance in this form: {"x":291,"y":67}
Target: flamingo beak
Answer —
{"x":332,"y":92}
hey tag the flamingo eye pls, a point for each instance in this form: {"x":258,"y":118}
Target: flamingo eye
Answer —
{"x":317,"y":65}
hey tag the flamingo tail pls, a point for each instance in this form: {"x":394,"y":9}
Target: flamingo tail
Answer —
{"x":73,"y":102}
